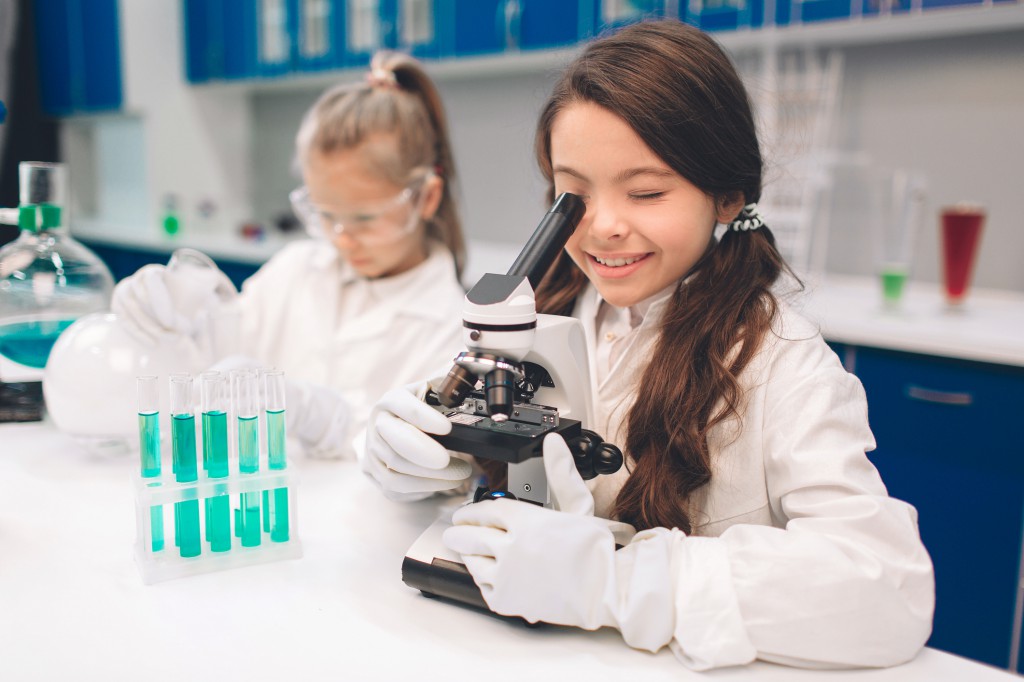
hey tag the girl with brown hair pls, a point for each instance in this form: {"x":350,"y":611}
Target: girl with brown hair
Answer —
{"x":764,"y":530}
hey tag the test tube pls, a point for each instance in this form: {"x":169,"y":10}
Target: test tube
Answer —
{"x":247,"y":409}
{"x":183,"y":446}
{"x":213,"y":404}
{"x":149,"y":449}
{"x":277,"y":503}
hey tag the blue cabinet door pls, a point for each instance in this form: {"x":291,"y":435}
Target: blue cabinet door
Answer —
{"x":475,"y":26}
{"x":947,"y":444}
{"x":79,"y":55}
{"x":220,"y":39}
{"x":728,"y":15}
{"x":318,"y":34}
{"x":555,"y":23}
{"x":615,"y":13}
{"x":124,"y":261}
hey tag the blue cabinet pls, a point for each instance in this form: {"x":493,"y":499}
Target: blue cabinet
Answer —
{"x":241,"y":39}
{"x":729,"y":15}
{"x":79,"y":55}
{"x":125,"y":260}
{"x":948,"y":444}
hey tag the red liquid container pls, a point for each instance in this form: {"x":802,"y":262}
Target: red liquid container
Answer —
{"x":961,"y":233}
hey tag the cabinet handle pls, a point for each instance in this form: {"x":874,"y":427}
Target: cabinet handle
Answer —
{"x":928,"y":395}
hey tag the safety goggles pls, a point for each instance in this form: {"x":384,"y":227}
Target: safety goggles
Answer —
{"x":382,"y":223}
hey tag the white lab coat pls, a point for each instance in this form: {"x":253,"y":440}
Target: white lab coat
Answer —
{"x":798,"y":555}
{"x":308,"y":313}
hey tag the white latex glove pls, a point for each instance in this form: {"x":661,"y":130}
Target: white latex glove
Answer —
{"x":317,"y":416}
{"x":176,"y":299}
{"x":404,"y":461}
{"x":561,"y":567}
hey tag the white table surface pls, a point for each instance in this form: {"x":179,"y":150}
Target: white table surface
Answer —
{"x":72,"y":604}
{"x":989,"y":326}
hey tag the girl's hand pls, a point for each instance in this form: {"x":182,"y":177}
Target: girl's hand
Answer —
{"x":542,"y":564}
{"x":404,"y":461}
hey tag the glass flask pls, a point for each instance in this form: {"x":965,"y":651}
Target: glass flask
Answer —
{"x":47,"y":278}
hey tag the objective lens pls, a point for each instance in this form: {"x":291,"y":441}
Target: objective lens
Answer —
{"x":499,"y":389}
{"x":456,"y":386}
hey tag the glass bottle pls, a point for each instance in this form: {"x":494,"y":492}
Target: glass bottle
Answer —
{"x":47,"y":278}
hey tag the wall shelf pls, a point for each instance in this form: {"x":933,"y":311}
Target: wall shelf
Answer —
{"x":863,"y":30}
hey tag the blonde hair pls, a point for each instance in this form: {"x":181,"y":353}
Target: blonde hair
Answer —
{"x":398,"y":98}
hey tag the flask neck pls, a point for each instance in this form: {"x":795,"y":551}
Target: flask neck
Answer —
{"x":41,"y":218}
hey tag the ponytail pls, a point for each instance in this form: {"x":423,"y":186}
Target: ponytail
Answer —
{"x":399,"y":98}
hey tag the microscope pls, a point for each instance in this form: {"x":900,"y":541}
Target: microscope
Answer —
{"x":523,"y":376}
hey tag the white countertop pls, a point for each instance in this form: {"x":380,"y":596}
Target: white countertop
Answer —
{"x":988,"y":328}
{"x":220,"y":244}
{"x":72,"y":604}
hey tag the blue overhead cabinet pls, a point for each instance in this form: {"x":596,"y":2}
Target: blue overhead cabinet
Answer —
{"x":822,"y":10}
{"x":369,"y":26}
{"x":79,"y":55}
{"x":319,"y":30}
{"x":474,"y":27}
{"x":876,"y":7}
{"x":552,"y":23}
{"x":220,"y":39}
{"x":238,"y":39}
{"x":615,"y":13}
{"x":729,"y":15}
{"x":423,"y":28}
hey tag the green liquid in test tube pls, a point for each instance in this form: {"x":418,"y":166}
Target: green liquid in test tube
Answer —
{"x":246,"y":401}
{"x":214,"y":397}
{"x":183,"y":444}
{"x":149,"y":448}
{"x":277,"y":501}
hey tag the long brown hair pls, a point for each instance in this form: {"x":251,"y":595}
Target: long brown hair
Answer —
{"x":402,"y":100}
{"x":678,"y":90}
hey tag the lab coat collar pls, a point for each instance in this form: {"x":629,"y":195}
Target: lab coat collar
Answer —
{"x":588,"y":305}
{"x":412,"y":292}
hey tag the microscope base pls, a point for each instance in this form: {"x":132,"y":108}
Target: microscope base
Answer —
{"x":435,"y":570}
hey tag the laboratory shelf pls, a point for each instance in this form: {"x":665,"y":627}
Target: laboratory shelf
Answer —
{"x":917,"y":24}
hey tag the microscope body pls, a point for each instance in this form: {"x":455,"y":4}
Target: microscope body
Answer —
{"x":522,"y":377}
{"x":525,"y":375}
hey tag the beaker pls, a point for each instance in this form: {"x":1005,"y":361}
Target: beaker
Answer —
{"x":895,"y":209}
{"x":47,"y":279}
{"x":961,"y":234}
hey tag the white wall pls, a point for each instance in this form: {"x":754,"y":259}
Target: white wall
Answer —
{"x":952,"y":108}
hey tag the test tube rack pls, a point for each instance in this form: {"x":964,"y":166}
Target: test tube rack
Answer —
{"x":190,"y":527}
{"x":162,"y":493}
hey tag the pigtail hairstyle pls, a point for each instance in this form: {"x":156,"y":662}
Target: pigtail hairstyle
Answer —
{"x":398,"y":98}
{"x":679,"y":92}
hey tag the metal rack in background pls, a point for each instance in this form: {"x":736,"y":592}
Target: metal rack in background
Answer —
{"x":795,"y":95}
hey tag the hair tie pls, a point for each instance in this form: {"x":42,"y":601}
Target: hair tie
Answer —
{"x":382,"y":78}
{"x":749,"y":218}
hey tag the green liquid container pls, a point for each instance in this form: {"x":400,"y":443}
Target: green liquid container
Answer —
{"x":893,"y":281}
{"x":183,"y":443}
{"x":47,"y":279}
{"x":215,"y":458}
{"x":149,"y":448}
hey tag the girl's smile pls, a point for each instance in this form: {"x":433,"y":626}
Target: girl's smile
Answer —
{"x":645,"y":225}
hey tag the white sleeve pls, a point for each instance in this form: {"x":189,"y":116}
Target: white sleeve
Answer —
{"x":846,"y":583}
